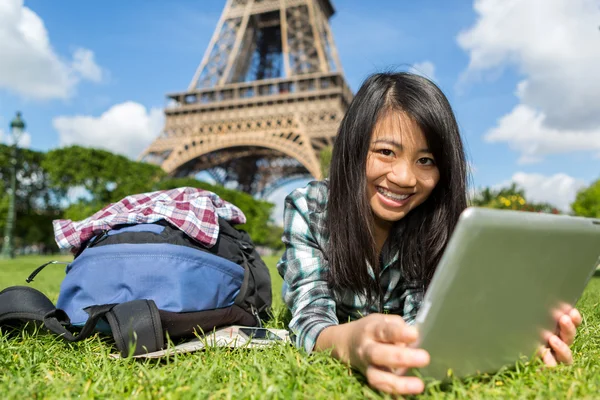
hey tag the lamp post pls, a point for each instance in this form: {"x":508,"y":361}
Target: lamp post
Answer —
{"x":17,"y":126}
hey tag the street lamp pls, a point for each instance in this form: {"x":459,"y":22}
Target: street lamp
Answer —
{"x":17,"y":126}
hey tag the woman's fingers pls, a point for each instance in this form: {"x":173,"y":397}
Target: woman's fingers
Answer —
{"x":393,"y":329}
{"x":394,"y":357}
{"x":575,"y":316}
{"x":567,"y":329}
{"x":556,"y":351}
{"x":569,"y":310}
{"x":382,"y":348}
{"x":562,"y":351}
{"x":391,"y":383}
{"x":547,"y":356}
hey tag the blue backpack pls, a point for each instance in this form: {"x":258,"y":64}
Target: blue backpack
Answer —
{"x":141,"y":282}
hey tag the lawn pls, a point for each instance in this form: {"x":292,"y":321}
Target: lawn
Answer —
{"x":42,"y":366}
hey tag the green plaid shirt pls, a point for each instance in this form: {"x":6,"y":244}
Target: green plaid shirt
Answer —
{"x":313,"y":304}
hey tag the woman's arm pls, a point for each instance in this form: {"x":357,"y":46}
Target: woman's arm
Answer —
{"x":375,"y":345}
{"x":304,"y":268}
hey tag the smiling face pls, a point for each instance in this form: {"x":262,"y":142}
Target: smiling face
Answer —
{"x":401,"y":171}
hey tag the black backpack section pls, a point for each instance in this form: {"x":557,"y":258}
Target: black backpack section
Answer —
{"x":140,"y":318}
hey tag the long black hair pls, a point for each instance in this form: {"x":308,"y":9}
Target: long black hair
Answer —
{"x":421,"y":236}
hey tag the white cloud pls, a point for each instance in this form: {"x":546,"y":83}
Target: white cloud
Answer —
{"x":554,"y":45}
{"x":425,"y":68}
{"x":85,"y":65}
{"x":529,"y":133}
{"x":29,"y":66}
{"x":126,"y":128}
{"x":559,"y":189}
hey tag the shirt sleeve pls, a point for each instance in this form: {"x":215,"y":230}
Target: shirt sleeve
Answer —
{"x":303,"y":268}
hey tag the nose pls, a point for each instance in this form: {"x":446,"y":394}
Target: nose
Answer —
{"x":402,"y":174}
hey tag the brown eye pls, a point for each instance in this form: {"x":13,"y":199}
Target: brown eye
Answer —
{"x":385,"y":152}
{"x":426,"y":161}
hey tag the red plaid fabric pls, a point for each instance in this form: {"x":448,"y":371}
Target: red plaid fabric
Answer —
{"x":194,"y":211}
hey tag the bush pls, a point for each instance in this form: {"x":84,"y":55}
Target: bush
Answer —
{"x":587,"y":202}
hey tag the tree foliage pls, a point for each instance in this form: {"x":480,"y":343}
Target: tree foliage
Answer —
{"x":587,"y":202}
{"x":34,"y":192}
{"x":81,"y":209}
{"x":36,"y":201}
{"x":3,"y":207}
{"x":100,"y":176}
{"x":107,"y":177}
{"x":325,"y":160}
{"x":510,"y":198}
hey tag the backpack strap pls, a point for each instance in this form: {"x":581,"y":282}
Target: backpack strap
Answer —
{"x":241,"y":298}
{"x":23,"y":303}
{"x":136,"y":321}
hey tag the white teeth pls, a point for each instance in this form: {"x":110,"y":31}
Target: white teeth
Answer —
{"x":393,"y":196}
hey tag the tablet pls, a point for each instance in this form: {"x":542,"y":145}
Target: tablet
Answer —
{"x":500,"y":279}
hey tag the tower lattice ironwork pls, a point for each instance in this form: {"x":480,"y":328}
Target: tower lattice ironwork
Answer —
{"x":268,"y":95}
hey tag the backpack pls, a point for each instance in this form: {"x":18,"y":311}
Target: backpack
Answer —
{"x":141,"y":282}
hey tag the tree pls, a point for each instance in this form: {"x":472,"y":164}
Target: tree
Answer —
{"x":103,"y":176}
{"x":488,"y":196}
{"x":587,"y":202}
{"x":3,"y":206}
{"x":82,"y":208}
{"x":325,"y":160}
{"x":107,"y":177}
{"x":274,"y":239}
{"x":34,"y":191}
{"x":37,"y":203}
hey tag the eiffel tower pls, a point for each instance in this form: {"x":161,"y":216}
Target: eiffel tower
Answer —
{"x":267,"y":97}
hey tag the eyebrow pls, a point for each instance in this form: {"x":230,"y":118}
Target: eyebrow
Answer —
{"x":400,"y":146}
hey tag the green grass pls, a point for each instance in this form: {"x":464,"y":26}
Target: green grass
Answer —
{"x":39,"y":365}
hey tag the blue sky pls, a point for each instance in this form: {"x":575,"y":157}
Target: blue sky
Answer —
{"x":523,"y":76}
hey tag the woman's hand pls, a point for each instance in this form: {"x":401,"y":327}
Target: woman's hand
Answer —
{"x":557,"y":349}
{"x":377,"y":346}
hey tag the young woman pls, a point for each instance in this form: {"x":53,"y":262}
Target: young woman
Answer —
{"x":362,"y":247}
